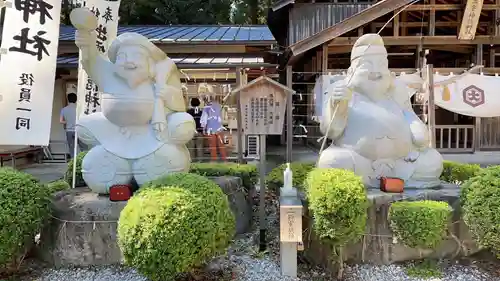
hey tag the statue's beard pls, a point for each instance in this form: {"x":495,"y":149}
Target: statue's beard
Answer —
{"x":132,"y":77}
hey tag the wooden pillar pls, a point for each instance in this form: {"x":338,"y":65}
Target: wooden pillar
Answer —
{"x":289,"y":117}
{"x":497,"y":16}
{"x":419,"y":64}
{"x":324,"y":57}
{"x":477,"y":130}
{"x":431,"y":105}
{"x":432,"y":20}
{"x":492,"y":57}
{"x":404,"y":19}
{"x":239,"y":115}
{"x":395,"y":24}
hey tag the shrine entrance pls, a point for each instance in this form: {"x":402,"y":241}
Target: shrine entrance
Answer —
{"x":490,"y":134}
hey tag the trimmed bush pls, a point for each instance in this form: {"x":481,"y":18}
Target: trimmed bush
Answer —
{"x":24,"y":206}
{"x":174,"y":225}
{"x":300,"y":170}
{"x":420,"y":224}
{"x":458,"y":173}
{"x":57,"y":186}
{"x":69,"y":172}
{"x":338,"y":202}
{"x":248,"y":173}
{"x":480,"y":197}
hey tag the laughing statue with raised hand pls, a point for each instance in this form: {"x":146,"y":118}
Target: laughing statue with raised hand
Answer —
{"x":143,"y":128}
{"x":374,"y":129}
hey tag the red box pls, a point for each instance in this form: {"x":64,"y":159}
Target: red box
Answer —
{"x":392,"y":185}
{"x":120,"y":192}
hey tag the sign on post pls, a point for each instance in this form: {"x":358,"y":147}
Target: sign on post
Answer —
{"x":290,"y":220}
{"x":28,"y":58}
{"x":263,"y":106}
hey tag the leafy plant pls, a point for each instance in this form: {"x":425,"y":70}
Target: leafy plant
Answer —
{"x":57,"y":186}
{"x":425,"y":269}
{"x":69,"y":171}
{"x":480,"y":197}
{"x":248,"y":173}
{"x":420,"y":224}
{"x":300,"y":170}
{"x":24,"y":206}
{"x":458,"y":173}
{"x":174,"y":225}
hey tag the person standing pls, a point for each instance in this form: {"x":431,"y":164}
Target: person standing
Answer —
{"x":68,"y":119}
{"x":196,"y":144}
{"x":211,"y":121}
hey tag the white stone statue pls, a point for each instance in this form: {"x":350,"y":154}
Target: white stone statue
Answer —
{"x":374,"y":129}
{"x":143,"y":128}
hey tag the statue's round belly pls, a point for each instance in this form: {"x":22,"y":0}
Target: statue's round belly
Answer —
{"x":376,"y":133}
{"x":127,"y":111}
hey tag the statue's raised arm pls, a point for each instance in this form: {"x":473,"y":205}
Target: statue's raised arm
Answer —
{"x":95,"y":64}
{"x":335,"y":109}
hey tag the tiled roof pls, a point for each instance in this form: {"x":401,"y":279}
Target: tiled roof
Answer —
{"x":247,"y":34}
{"x":71,"y":61}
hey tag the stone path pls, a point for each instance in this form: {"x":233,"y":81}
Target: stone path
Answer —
{"x":46,"y":172}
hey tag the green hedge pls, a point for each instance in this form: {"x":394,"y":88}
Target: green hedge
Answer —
{"x":69,"y":171}
{"x":248,"y":173}
{"x":57,"y":186}
{"x":480,"y":199}
{"x":420,"y":224}
{"x":458,"y":173}
{"x":24,"y":207}
{"x":174,"y":225}
{"x":338,"y":202}
{"x":300,"y":170}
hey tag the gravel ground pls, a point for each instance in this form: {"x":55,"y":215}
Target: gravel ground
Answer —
{"x":245,"y":263}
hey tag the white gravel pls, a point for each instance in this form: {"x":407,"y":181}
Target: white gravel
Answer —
{"x":97,"y":274}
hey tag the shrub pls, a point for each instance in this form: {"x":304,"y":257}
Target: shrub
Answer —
{"x":480,"y":197}
{"x":420,"y":224}
{"x":458,"y":173}
{"x":24,"y":206}
{"x":338,"y":202}
{"x":248,"y":173}
{"x":57,"y":186}
{"x":300,"y":170}
{"x":69,"y":172}
{"x":174,"y":225}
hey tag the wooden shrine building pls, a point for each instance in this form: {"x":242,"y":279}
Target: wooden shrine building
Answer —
{"x":316,"y":37}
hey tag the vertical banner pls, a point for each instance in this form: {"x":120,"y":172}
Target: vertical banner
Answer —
{"x":28,"y":61}
{"x":106,"y":11}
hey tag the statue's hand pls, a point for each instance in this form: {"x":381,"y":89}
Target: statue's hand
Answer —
{"x":340,"y":92}
{"x":84,"y":39}
{"x":412,"y":156}
{"x":159,"y":127}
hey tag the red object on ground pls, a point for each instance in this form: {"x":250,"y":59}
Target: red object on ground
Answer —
{"x":120,"y":192}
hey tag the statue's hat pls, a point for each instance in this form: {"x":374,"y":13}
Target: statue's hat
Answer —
{"x":368,"y":44}
{"x":135,"y":39}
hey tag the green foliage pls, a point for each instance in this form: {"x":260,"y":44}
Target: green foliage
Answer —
{"x":251,"y":11}
{"x":480,"y":198}
{"x":57,"y":186}
{"x":426,"y":269}
{"x":174,"y":225}
{"x":161,"y":12}
{"x":69,"y":171}
{"x":420,"y":224}
{"x":338,"y":202}
{"x":458,"y":173}
{"x":300,"y":170}
{"x":24,"y":206}
{"x":248,"y":173}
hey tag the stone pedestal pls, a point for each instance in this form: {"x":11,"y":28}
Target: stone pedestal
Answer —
{"x":378,"y":245}
{"x":83,"y":230}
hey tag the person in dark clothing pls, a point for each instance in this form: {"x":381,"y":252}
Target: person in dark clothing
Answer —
{"x":195,"y":146}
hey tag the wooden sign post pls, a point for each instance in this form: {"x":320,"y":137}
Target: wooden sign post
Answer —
{"x":262,"y":106}
{"x":290,"y":233}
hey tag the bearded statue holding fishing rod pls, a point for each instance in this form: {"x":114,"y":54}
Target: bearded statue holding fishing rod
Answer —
{"x":143,"y":128}
{"x":374,"y":129}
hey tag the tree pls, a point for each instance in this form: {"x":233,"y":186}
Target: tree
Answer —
{"x":149,"y":12}
{"x":250,"y":11}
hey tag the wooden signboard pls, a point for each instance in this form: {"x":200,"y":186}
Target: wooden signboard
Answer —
{"x":263,"y":106}
{"x":470,"y":20}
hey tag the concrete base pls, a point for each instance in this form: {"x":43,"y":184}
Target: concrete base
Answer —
{"x":378,"y":246}
{"x":83,"y":230}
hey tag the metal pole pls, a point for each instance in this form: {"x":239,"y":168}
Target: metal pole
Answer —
{"x":289,"y":117}
{"x":239,"y":121}
{"x":262,"y":203}
{"x":431,"y":105}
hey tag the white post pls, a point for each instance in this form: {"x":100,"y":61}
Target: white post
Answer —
{"x":290,"y":231}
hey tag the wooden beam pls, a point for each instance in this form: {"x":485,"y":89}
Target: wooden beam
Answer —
{"x":449,"y":7}
{"x":426,"y":24}
{"x":447,"y":70}
{"x":366,"y":16}
{"x":426,"y":40}
{"x":470,"y":19}
{"x":432,"y":20}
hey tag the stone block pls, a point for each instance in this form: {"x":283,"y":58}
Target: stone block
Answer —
{"x":83,"y":230}
{"x":378,"y":245}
